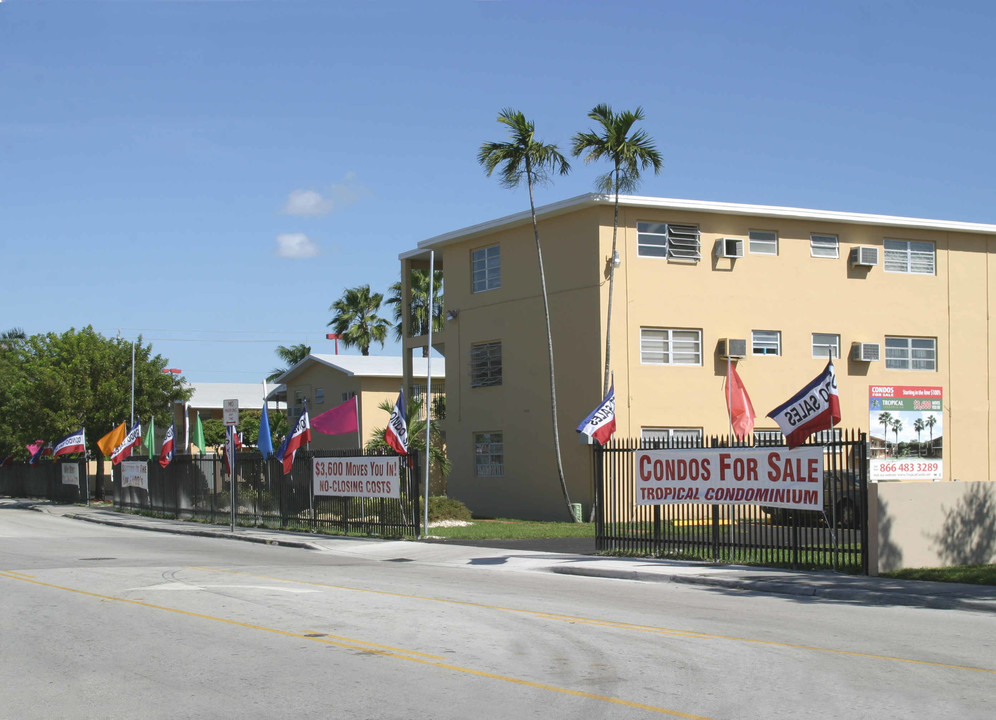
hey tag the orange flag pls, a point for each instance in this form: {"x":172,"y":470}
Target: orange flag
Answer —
{"x":111,"y":440}
{"x":738,"y":404}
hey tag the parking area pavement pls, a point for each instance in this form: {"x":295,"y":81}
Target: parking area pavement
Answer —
{"x":570,"y":557}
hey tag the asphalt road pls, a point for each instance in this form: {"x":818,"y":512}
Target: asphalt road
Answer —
{"x":111,"y":622}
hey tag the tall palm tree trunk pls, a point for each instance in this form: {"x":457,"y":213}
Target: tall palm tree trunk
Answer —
{"x":612,"y":285}
{"x":549,"y":345}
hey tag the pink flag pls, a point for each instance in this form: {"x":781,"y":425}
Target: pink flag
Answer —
{"x":339,"y":420}
{"x":739,"y":405}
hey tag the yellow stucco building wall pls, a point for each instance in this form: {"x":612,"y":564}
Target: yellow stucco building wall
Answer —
{"x":791,"y":292}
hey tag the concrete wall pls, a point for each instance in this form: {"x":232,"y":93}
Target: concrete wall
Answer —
{"x":939,"y":524}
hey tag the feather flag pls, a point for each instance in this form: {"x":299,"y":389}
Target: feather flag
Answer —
{"x":300,"y":435}
{"x":169,"y":446}
{"x":738,"y":404}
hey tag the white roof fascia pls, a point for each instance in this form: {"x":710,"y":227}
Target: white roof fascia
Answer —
{"x":722,"y":208}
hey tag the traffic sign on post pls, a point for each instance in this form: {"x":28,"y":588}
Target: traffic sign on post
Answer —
{"x":231,"y":412}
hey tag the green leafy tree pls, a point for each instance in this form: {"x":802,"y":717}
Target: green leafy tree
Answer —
{"x":214,"y":433}
{"x":52,"y":384}
{"x":523,"y":158}
{"x":249,"y":426}
{"x":418,"y":305}
{"x":291,"y":355}
{"x":416,"y":436}
{"x":356,"y":318}
{"x":629,"y":155}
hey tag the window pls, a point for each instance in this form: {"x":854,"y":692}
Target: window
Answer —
{"x":769,"y":437}
{"x":319,"y":396}
{"x":763,"y":242}
{"x":909,"y":256}
{"x":678,"y":242}
{"x":665,"y":346}
{"x":766,"y":342}
{"x":348,"y":396}
{"x":486,"y":268}
{"x":910,"y":353}
{"x":672,"y":437}
{"x":485,"y":364}
{"x":489,"y":454}
{"x":826,"y":345}
{"x":823,"y":246}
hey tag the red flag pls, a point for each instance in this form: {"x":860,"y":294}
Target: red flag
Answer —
{"x":339,"y":420}
{"x":169,"y":447}
{"x":738,"y":404}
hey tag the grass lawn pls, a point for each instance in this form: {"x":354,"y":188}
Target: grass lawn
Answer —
{"x":971,"y":574}
{"x":515,"y":530}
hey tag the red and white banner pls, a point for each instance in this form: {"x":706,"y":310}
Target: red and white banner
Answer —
{"x":369,"y":477}
{"x":775,"y":477}
{"x":816,"y":407}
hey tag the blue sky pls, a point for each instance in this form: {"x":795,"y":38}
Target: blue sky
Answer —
{"x":213,"y":175}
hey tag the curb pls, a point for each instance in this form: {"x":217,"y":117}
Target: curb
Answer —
{"x":783,"y":588}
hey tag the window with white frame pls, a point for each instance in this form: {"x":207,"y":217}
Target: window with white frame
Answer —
{"x":763,"y":242}
{"x":485,"y":364}
{"x":668,"y":240}
{"x":489,"y":454}
{"x":823,"y":246}
{"x":769,"y":437}
{"x":486,"y":268}
{"x":671,"y":437}
{"x":909,"y":256}
{"x":766,"y":342}
{"x":670,"y":346}
{"x":910,"y":353}
{"x":826,"y":345}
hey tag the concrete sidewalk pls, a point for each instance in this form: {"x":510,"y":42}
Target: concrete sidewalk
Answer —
{"x":823,"y":586}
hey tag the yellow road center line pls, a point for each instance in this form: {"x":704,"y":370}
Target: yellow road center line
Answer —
{"x":397,"y":653}
{"x":613,"y":624}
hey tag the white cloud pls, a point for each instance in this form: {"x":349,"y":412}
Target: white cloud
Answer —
{"x":311,"y":203}
{"x":296,"y":245}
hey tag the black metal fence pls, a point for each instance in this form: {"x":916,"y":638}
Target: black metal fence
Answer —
{"x":199,"y":488}
{"x":738,"y":533}
{"x":45,"y":480}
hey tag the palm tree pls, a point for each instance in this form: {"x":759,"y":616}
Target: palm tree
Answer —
{"x":291,"y":355}
{"x":897,"y":425}
{"x":419,"y":305}
{"x":523,"y":157}
{"x":356,"y":318}
{"x":629,"y":155}
{"x":930,"y":422}
{"x":886,"y":419}
{"x":918,"y":426}
{"x":9,"y":338}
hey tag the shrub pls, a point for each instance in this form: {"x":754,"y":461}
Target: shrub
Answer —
{"x":444,"y":508}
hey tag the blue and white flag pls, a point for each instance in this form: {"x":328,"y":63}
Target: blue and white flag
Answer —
{"x":601,"y":423}
{"x":396,"y":434}
{"x":72,"y":443}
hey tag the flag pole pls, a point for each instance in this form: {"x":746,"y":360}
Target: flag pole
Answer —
{"x":833,"y":510}
{"x":729,"y":398}
{"x":428,"y":389}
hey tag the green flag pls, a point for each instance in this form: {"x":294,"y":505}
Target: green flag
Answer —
{"x":149,"y":441}
{"x":199,"y":435}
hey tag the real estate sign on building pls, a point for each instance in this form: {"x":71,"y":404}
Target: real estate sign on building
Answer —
{"x":906,"y":431}
{"x":367,"y":477}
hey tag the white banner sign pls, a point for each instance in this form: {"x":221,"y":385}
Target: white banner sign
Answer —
{"x":775,"y":477}
{"x":357,"y":476}
{"x":71,"y":474}
{"x":135,"y":474}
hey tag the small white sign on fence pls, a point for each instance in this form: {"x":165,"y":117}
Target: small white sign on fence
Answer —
{"x":71,"y":474}
{"x":230,"y":411}
{"x":135,"y":474}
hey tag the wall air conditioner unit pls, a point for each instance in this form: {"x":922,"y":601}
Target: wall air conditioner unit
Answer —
{"x":864,"y":256}
{"x":733,"y":348}
{"x":729,"y":248}
{"x":866,"y":352}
